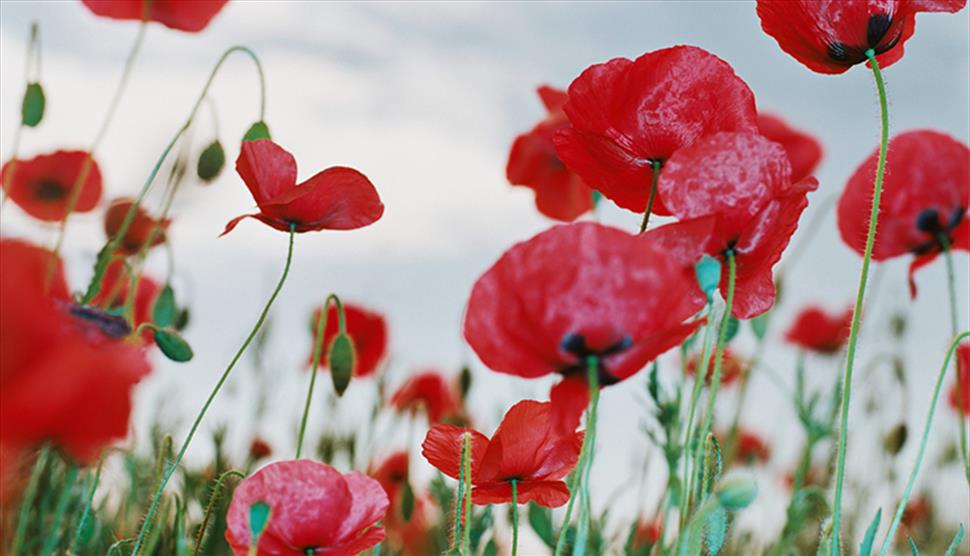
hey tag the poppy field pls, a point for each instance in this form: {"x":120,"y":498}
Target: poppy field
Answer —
{"x":228,"y":328}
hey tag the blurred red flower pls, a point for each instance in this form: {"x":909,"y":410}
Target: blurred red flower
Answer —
{"x":367,"y":331}
{"x":815,"y":330}
{"x":114,"y":292}
{"x":962,"y":403}
{"x":751,"y":448}
{"x":429,"y":391}
{"x":576,"y":291}
{"x":733,"y":193}
{"x":647,"y":534}
{"x":59,"y":360}
{"x":526,"y":448}
{"x":182,"y":15}
{"x":142,"y":228}
{"x":925,"y":198}
{"x":392,"y":474}
{"x":42,"y":185}
{"x":731,"y":367}
{"x":259,"y":449}
{"x":831,"y":37}
{"x":533,"y":163}
{"x":313,"y":508}
{"x":804,"y":151}
{"x":411,"y":536}
{"x":627,"y":115}
{"x":337,"y":198}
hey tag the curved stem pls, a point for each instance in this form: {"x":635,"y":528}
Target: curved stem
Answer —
{"x":652,"y":197}
{"x":210,"y":506}
{"x":33,"y":55}
{"x":954,"y":327}
{"x":860,"y":298}
{"x":89,"y":501}
{"x":317,"y":352}
{"x":55,"y":527}
{"x":109,"y":249}
{"x":922,"y":446}
{"x":515,"y":517}
{"x":146,"y":525}
{"x":28,"y":501}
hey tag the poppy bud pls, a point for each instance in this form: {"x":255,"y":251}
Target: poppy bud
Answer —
{"x":211,"y":162}
{"x":733,"y":326}
{"x":407,"y":502}
{"x":164,"y":312}
{"x":708,"y":273}
{"x":759,"y":325}
{"x":895,"y":440}
{"x":341,"y":361}
{"x":32,"y":109}
{"x":465,"y":381}
{"x":258,"y":520}
{"x":172,"y":345}
{"x":258,"y":130}
{"x":736,"y":494}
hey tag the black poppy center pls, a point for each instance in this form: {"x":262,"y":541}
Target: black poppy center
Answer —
{"x":938,"y":227}
{"x":49,"y":190}
{"x":575,"y":344}
{"x":877,"y":29}
{"x":110,"y":325}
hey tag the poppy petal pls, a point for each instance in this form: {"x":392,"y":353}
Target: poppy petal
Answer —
{"x":267,"y":169}
{"x":180,"y":15}
{"x":569,"y":399}
{"x":369,"y":505}
{"x":549,"y":494}
{"x":337,"y":198}
{"x":443,"y":445}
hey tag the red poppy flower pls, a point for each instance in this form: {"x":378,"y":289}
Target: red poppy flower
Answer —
{"x":925,"y":198}
{"x":526,"y":448}
{"x":831,"y":37}
{"x":42,"y":186}
{"x":114,"y":292}
{"x":337,"y":198}
{"x":815,"y":330}
{"x":627,"y":115}
{"x":428,"y":391}
{"x":142,"y":228}
{"x":533,"y":163}
{"x":917,"y":512}
{"x":733,"y":193}
{"x":259,"y":449}
{"x":751,"y":448}
{"x":367,"y":331}
{"x":182,"y":15}
{"x":813,"y":477}
{"x":576,"y":291}
{"x":66,"y":373}
{"x":959,"y":403}
{"x":313,"y":509}
{"x":647,"y":534}
{"x":731,"y":367}
{"x":804,"y":151}
{"x":392,"y":473}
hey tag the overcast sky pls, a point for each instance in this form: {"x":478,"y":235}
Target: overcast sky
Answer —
{"x":426,"y":99}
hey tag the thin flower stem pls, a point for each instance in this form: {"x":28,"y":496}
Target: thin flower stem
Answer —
{"x":718,"y":360}
{"x":146,"y":525}
{"x":515,"y":517}
{"x":890,"y":534}
{"x":62,"y":502}
{"x":317,"y":352}
{"x":33,"y":55}
{"x":730,"y":447}
{"x":653,"y":196}
{"x":89,"y":501}
{"x":954,"y":327}
{"x":857,"y":312}
{"x":585,"y":509}
{"x":28,"y":500}
{"x":210,"y":506}
{"x":467,"y":464}
{"x":705,"y":362}
{"x":109,"y":249}
{"x":460,"y":499}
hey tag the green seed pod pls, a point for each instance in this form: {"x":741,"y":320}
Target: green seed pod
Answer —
{"x":736,"y":494}
{"x":32,"y":109}
{"x":172,"y":345}
{"x":258,"y":130}
{"x":211,"y":162}
{"x":341,"y":361}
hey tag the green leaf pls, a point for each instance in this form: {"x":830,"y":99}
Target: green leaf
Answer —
{"x":866,"y":547}
{"x":597,"y":197}
{"x":491,"y":549}
{"x":259,"y":514}
{"x":32,"y":109}
{"x":708,"y":274}
{"x":164,"y":311}
{"x":258,"y":130}
{"x":912,"y":546}
{"x":759,"y":325}
{"x":211,"y":162}
{"x":736,"y":494}
{"x":952,"y":549}
{"x":341,"y":361}
{"x":540,"y":519}
{"x":733,"y":325}
{"x":407,"y":502}
{"x":715,"y":530}
{"x":465,"y":381}
{"x":172,"y":345}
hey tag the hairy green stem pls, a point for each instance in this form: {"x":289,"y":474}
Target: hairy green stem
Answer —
{"x":32,"y":57}
{"x":28,"y":501}
{"x":89,"y":501}
{"x":210,"y":506}
{"x":466,"y":462}
{"x":54,"y":535}
{"x":653,"y":196}
{"x":857,"y":312}
{"x":146,"y":525}
{"x":317,"y":352}
{"x":954,"y":327}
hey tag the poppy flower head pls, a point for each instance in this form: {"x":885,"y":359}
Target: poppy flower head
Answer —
{"x":647,"y":534}
{"x":804,"y":151}
{"x":751,"y":448}
{"x":831,"y":37}
{"x":367,"y":331}
{"x":527,"y":447}
{"x":731,"y":367}
{"x":391,"y":473}
{"x":337,"y":198}
{"x":627,"y":115}
{"x":182,"y":15}
{"x":259,"y":449}
{"x":142,"y":230}
{"x":115,"y":290}
{"x":925,"y":198}
{"x":960,"y":402}
{"x":918,"y":512}
{"x":58,"y":361}
{"x":428,"y":391}
{"x":42,"y":186}
{"x":577,"y":294}
{"x":313,"y":509}
{"x":533,"y":163}
{"x":817,"y":331}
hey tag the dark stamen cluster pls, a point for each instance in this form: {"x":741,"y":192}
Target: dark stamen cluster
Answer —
{"x":930,"y":222}
{"x":575,"y":344}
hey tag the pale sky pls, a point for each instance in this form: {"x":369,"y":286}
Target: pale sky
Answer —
{"x":425,"y":99}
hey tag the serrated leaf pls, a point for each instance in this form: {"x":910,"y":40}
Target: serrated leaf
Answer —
{"x":866,"y":547}
{"x":211,"y":162}
{"x":715,"y":531}
{"x":172,"y":345}
{"x":407,"y":502}
{"x":32,"y":109}
{"x":708,"y":274}
{"x":540,"y":519}
{"x":341,"y":362}
{"x":164,"y":311}
{"x":733,"y":326}
{"x":258,"y":130}
{"x":955,"y":543}
{"x":759,"y":325}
